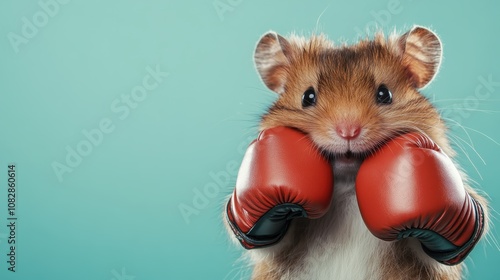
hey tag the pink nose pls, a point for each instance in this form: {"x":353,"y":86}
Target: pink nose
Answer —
{"x":348,"y":131}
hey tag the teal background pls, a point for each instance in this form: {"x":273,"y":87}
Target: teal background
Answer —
{"x":117,"y":214}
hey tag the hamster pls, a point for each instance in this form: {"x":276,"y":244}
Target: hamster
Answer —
{"x":344,"y":80}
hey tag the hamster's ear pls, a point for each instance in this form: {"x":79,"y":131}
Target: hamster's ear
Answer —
{"x":272,"y":59}
{"x":422,"y":54}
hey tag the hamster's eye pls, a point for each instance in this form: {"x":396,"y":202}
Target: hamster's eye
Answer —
{"x":384,"y":95}
{"x":309,"y":98}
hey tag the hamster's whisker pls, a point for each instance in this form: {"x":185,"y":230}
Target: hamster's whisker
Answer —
{"x":462,"y":127}
{"x":463,"y":99}
{"x":481,"y":133}
{"x":470,"y":160}
{"x":490,"y":236}
{"x":471,"y":146}
{"x":470,"y":109}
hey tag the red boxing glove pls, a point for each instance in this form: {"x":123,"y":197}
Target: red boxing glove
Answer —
{"x":410,"y":188}
{"x":282,"y":176}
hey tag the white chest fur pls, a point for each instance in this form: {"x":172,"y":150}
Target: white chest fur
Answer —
{"x":339,"y":244}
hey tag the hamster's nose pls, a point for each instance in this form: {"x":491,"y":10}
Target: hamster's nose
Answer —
{"x":348,"y":131}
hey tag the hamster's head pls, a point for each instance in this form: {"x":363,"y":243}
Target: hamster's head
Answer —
{"x":351,"y":99}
